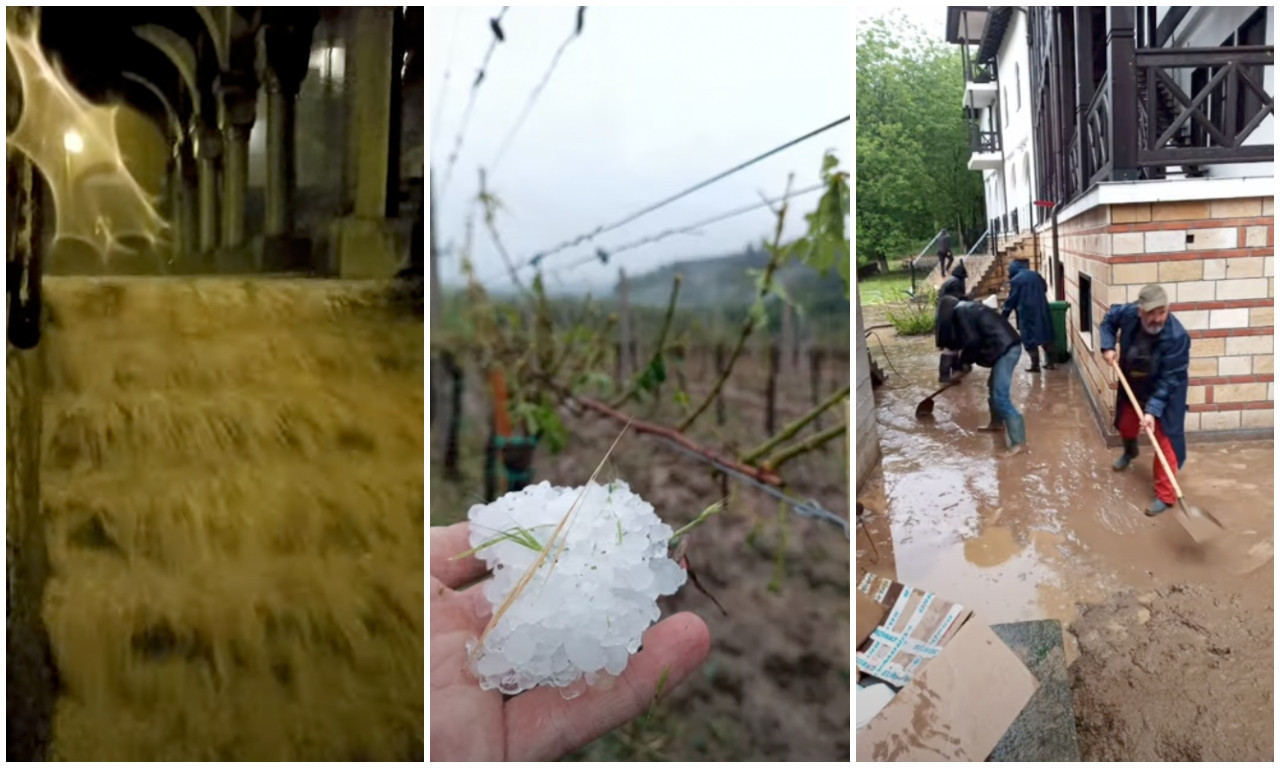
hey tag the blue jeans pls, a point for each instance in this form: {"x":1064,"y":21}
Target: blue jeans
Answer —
{"x":999,"y":399}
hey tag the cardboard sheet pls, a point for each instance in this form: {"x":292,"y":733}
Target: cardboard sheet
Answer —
{"x":916,"y":628}
{"x":869,"y":615}
{"x":957,"y":708}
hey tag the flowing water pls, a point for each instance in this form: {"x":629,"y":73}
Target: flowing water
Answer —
{"x":232,"y":484}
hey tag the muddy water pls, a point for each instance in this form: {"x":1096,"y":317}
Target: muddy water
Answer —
{"x":1035,"y":535}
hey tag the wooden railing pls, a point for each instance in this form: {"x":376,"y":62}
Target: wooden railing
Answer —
{"x":1221,"y":113}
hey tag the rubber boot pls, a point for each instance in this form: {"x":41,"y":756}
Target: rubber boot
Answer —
{"x":1156,"y":507}
{"x":1016,"y":429}
{"x":1048,"y":357}
{"x":946,"y":363}
{"x":1126,"y":458}
{"x":1034,"y":353}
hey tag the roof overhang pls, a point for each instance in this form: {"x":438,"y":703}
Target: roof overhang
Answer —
{"x":965,"y":23}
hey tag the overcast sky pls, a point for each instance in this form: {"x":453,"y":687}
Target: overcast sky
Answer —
{"x":647,"y":102}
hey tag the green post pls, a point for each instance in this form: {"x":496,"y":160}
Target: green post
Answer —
{"x":1058,"y":311}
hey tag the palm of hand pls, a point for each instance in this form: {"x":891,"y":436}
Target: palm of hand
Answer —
{"x":468,"y":723}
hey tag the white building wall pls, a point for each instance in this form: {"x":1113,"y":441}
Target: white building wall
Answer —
{"x":1015,"y":118}
{"x":1207,"y":27}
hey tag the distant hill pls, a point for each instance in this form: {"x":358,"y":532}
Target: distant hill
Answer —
{"x":723,"y":283}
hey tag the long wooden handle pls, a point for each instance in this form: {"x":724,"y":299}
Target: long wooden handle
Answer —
{"x":1150,"y":432}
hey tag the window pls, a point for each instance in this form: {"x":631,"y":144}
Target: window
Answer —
{"x":1017,"y":84}
{"x":1004,"y":102}
{"x":1086,"y":303}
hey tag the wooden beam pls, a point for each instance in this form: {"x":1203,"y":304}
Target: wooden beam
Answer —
{"x":1123,"y":96}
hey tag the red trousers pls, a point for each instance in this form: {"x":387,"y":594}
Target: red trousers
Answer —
{"x":1131,"y":429}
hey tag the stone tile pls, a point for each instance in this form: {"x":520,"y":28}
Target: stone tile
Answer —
{"x":1263,"y":419}
{"x":1235,"y":366}
{"x":1192,"y":423}
{"x":1209,"y":348}
{"x":1262,"y":316}
{"x":1182,"y":211}
{"x":1131,"y":242}
{"x":1252,"y":288}
{"x":1248,"y":266}
{"x":1194,"y":319}
{"x":1197,"y":290}
{"x":1215,"y":269}
{"x":1214,"y":421}
{"x":1135,"y":274}
{"x":1195,"y":394}
{"x":1239,"y":393}
{"x":1236,"y":209}
{"x":1179,"y":271}
{"x":1255,"y":237}
{"x":1264,"y":364}
{"x":1216,"y":239}
{"x":1203,"y":366}
{"x":1229,"y":318}
{"x":1135,"y":213}
{"x":1247,"y":345}
{"x":1166,"y":241}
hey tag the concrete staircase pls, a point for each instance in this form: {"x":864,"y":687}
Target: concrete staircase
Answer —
{"x":232,"y":485}
{"x":988,"y":273}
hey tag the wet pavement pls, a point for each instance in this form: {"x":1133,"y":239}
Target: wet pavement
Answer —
{"x":1032,"y":536}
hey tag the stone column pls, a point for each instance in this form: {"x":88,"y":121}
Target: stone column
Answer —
{"x":186,"y":212}
{"x":208,"y":149}
{"x":237,"y":109}
{"x":371,"y":113}
{"x":281,"y":178}
{"x":366,"y":246}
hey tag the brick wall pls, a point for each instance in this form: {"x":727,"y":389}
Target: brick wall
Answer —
{"x":1215,"y":259}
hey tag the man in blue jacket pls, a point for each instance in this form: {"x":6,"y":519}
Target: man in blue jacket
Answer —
{"x":1155,"y":352}
{"x":1028,"y":295}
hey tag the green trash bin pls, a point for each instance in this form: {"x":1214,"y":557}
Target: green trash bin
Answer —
{"x":1058,"y":311}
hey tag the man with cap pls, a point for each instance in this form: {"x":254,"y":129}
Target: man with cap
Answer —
{"x":1155,"y":352}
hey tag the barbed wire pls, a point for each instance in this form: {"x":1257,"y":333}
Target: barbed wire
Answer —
{"x":537,"y":92}
{"x":448,"y":72}
{"x":536,"y":259}
{"x":805,"y":508}
{"x":603,"y":255}
{"x":495,"y":26}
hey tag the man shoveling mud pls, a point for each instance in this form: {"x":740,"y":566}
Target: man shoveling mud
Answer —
{"x":980,"y":336}
{"x":1155,"y":352}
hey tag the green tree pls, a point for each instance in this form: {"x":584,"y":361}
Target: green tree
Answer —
{"x":912,"y":141}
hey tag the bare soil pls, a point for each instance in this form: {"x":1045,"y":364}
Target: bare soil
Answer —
{"x":1182,"y":673}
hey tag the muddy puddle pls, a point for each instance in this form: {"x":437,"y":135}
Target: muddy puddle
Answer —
{"x":1037,"y":535}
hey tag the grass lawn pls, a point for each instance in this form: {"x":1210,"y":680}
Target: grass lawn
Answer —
{"x":886,"y":287}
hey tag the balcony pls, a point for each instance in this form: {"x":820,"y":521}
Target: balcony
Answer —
{"x":985,"y":149}
{"x":979,"y":85}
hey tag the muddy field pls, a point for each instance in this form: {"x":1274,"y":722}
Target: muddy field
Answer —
{"x":232,"y":487}
{"x":1170,"y":644}
{"x":776,"y":685}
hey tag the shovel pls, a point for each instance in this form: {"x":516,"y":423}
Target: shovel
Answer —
{"x":1200,"y":524}
{"x":925,"y":408}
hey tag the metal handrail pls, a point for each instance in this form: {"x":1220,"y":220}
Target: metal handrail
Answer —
{"x":918,"y":257}
{"x":978,"y":245}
